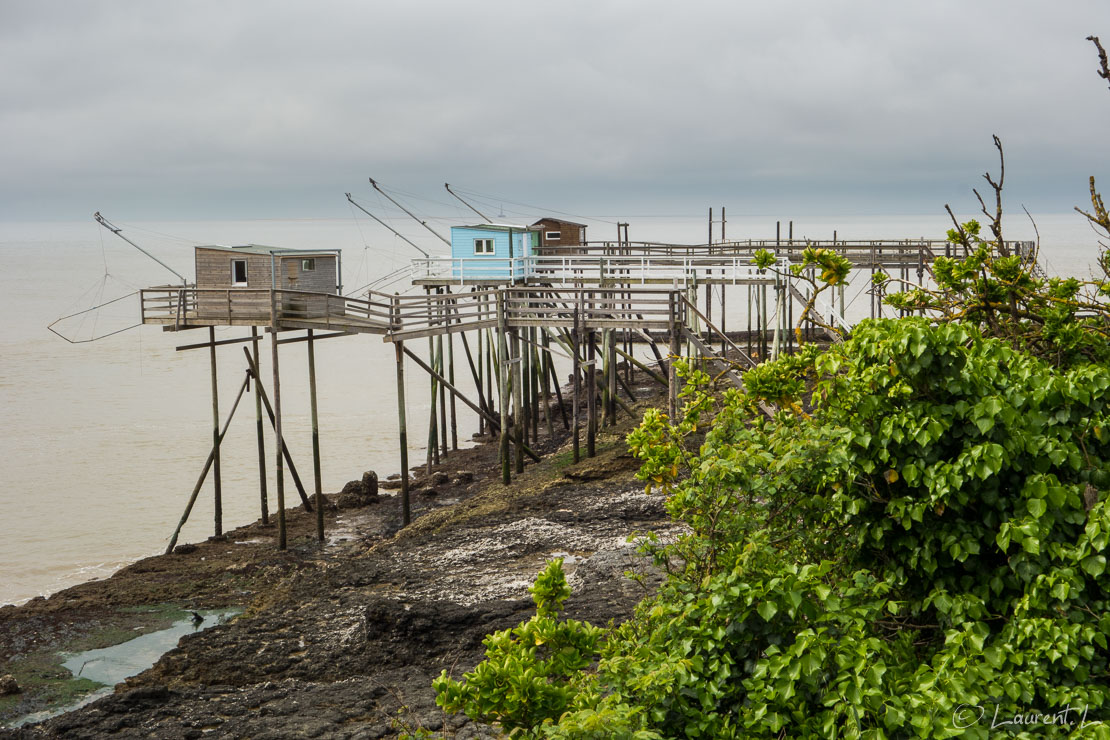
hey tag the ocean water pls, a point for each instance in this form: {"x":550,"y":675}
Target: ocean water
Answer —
{"x":101,"y":442}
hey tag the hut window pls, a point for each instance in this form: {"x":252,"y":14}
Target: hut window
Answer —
{"x":308,"y":265}
{"x":238,"y":272}
{"x":553,"y":236}
{"x":483,"y":246}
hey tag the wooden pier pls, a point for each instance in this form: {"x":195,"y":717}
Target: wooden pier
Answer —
{"x":589,"y":304}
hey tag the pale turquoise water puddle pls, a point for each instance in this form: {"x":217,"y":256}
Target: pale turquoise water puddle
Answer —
{"x":113,"y":664}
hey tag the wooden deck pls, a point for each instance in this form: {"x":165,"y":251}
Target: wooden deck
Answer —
{"x":399,"y":318}
{"x":176,"y":309}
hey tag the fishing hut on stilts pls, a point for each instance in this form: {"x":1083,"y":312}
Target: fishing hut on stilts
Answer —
{"x":516,"y":297}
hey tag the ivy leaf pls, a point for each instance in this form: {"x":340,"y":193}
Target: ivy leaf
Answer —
{"x":767,"y":610}
{"x":1095,"y":564}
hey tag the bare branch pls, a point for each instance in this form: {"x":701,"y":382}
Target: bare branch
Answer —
{"x":1104,"y":71}
{"x":996,"y":219}
{"x":964,"y":240}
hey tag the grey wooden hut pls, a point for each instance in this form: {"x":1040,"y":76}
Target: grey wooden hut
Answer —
{"x":227,"y":278}
{"x":259,"y":266}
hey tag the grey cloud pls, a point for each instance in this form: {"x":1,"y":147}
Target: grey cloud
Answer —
{"x":276,"y":108}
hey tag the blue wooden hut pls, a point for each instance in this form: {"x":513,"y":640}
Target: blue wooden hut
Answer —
{"x":492,"y":252}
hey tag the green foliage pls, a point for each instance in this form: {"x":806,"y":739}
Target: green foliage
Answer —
{"x":1063,"y":320}
{"x":931,"y":537}
{"x":924,"y":544}
{"x":532,"y":672}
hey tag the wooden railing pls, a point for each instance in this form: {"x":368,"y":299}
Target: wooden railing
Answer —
{"x":416,"y":316}
{"x":643,"y":264}
{"x":181,"y":307}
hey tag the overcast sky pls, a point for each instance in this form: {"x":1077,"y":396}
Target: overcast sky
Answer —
{"x":195,"y":110}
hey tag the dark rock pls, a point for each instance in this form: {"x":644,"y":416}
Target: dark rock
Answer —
{"x":439,"y":478}
{"x":370,"y":483}
{"x":353,"y":488}
{"x":429,"y":492}
{"x":349,"y":500}
{"x":8,"y":685}
{"x":462,"y":477}
{"x":185,"y":549}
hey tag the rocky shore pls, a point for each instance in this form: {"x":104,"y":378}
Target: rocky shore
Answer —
{"x":343,"y":640}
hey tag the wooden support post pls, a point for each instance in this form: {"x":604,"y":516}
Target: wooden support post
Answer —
{"x":614,"y":376}
{"x":279,"y":465}
{"x":261,"y":436}
{"x":535,"y":373}
{"x":518,"y":410}
{"x":476,"y":374}
{"x":591,"y":393}
{"x":724,"y":289}
{"x":503,"y":383}
{"x":631,"y":360}
{"x":402,"y":432}
{"x":558,"y":394}
{"x":605,"y":368}
{"x":672,"y":371}
{"x":433,"y":437}
{"x":442,"y":399}
{"x":749,"y":313}
{"x":545,"y":367}
{"x":216,"y":477}
{"x":479,"y":379}
{"x":576,"y":373}
{"x":207,"y":467}
{"x":523,"y":356}
{"x":764,"y":323}
{"x":284,"y":448}
{"x":451,"y":378}
{"x":477,"y":409}
{"x":316,"y":476}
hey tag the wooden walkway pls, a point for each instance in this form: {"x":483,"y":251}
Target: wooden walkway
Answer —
{"x":398,"y":317}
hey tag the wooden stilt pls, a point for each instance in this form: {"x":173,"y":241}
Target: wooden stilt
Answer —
{"x":442,"y":399}
{"x":535,"y":375}
{"x":518,"y":410}
{"x":316,"y":476}
{"x":606,"y":401}
{"x":558,"y":393}
{"x":217,"y":479}
{"x":479,"y":378}
{"x":433,"y":436}
{"x":614,"y":376}
{"x":458,"y":394}
{"x":451,"y":378}
{"x":476,"y":374}
{"x":524,"y":355}
{"x":591,"y":395}
{"x":279,"y":468}
{"x":207,"y":467}
{"x":545,"y":365}
{"x":261,"y":436}
{"x":402,"y":432}
{"x":576,"y":374}
{"x":503,"y":385}
{"x":283,"y":447}
{"x":672,"y":371}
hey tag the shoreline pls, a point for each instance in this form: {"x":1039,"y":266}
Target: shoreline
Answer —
{"x":465,"y":562}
